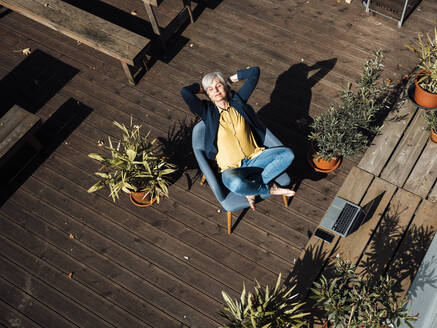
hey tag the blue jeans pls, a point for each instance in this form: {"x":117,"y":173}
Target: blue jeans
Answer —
{"x":253,"y":176}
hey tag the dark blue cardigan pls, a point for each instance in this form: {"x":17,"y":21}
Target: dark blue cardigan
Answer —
{"x":209,"y":113}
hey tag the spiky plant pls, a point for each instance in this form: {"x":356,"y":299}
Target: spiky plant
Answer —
{"x":133,"y":165}
{"x":426,"y":52}
{"x":264,"y":308}
{"x":352,"y":301}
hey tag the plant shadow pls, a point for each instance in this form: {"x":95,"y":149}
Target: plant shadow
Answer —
{"x":398,"y":250}
{"x":307,"y":269}
{"x":177,"y":147}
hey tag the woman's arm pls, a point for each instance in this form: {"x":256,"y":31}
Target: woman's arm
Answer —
{"x":251,"y":75}
{"x":194,"y":103}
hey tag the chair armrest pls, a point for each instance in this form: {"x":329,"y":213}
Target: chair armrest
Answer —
{"x":209,"y":175}
{"x":270,"y":140}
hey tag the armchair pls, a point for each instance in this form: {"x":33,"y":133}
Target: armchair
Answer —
{"x":229,"y":201}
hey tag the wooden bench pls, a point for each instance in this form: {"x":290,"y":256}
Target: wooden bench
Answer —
{"x":91,"y":30}
{"x":17,"y":126}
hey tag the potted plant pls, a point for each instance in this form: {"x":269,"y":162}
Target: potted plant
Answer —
{"x":134,"y":167}
{"x":264,"y":308}
{"x":431,"y":119}
{"x":346,"y":128}
{"x":352,"y":301}
{"x":425,"y":93}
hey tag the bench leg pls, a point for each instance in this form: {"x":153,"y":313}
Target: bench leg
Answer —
{"x":154,"y":23}
{"x":187,"y":5}
{"x":128,"y":72}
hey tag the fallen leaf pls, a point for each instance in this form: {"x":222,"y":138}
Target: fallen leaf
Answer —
{"x":133,"y":13}
{"x":71,"y":236}
{"x":70,"y":275}
{"x":26,"y":51}
{"x":186,"y":257}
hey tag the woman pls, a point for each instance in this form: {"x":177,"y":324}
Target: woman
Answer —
{"x":231,"y":133}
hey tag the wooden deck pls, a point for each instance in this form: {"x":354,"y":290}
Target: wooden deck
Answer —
{"x":395,"y":183}
{"x":71,"y":259}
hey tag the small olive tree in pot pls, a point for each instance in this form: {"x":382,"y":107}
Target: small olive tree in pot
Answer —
{"x":133,"y":166}
{"x":425,"y":50}
{"x":352,"y":301}
{"x":347,"y":128}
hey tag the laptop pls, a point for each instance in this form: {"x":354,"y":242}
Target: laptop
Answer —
{"x":343,"y":217}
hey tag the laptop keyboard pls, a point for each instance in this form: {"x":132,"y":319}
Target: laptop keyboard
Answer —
{"x":345,"y":218}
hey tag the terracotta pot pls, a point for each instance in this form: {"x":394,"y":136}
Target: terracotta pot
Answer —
{"x":433,"y":136}
{"x":141,"y":199}
{"x":424,"y":98}
{"x":321,"y":165}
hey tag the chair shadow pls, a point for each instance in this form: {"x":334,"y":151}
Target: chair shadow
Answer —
{"x":50,"y":135}
{"x":34,"y":81}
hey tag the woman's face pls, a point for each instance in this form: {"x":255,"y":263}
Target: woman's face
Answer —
{"x":216,"y":91}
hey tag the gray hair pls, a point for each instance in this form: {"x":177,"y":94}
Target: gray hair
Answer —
{"x":207,"y":80}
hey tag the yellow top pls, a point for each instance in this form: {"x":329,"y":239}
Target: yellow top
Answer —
{"x":235,"y":140}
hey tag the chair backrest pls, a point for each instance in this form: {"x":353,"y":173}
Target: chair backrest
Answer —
{"x":198,"y":136}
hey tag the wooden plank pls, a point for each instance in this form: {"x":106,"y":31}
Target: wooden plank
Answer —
{"x":51,"y":16}
{"x":388,"y":235}
{"x":92,"y":22}
{"x":379,"y":152}
{"x":355,"y":186}
{"x":90,"y":269}
{"x":413,"y":247}
{"x":14,"y":126}
{"x":424,"y":173}
{"x":433,"y":194}
{"x":377,"y":197}
{"x":313,"y":258}
{"x":19,"y":298}
{"x":12,"y":318}
{"x":47,"y":294}
{"x":170,"y":283}
{"x":91,"y":303}
{"x":407,"y":152}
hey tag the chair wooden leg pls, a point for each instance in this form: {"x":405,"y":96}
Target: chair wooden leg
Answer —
{"x":285,"y":199}
{"x":202,"y":181}
{"x":229,"y":222}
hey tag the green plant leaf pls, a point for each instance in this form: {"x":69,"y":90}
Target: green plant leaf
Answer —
{"x":97,"y":157}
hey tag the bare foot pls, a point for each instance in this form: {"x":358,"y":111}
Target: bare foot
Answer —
{"x":276,"y":190}
{"x":251,"y":200}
